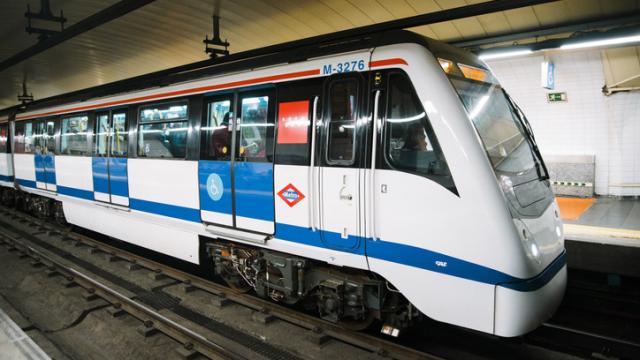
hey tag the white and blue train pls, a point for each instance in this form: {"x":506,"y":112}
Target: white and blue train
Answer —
{"x":386,"y":177}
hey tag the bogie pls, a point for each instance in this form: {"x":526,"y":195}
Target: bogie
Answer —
{"x":350,"y":297}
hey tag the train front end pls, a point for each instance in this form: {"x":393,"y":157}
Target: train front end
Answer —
{"x":521,"y":303}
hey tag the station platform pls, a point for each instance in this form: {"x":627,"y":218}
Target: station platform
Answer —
{"x":15,"y":344}
{"x":602,"y":234}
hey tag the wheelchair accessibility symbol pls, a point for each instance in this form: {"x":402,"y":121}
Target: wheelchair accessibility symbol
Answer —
{"x":215,"y":188}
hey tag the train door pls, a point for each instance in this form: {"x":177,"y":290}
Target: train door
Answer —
{"x":45,"y":164}
{"x":214,"y":167}
{"x":253,"y":165}
{"x":109,"y":164}
{"x":236,"y":170}
{"x":339,"y":177}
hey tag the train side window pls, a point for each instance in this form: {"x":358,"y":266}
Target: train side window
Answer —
{"x":39,"y":136}
{"x":73,"y":138}
{"x":217,"y":130}
{"x":23,"y":137}
{"x":119,"y":135}
{"x":163,"y":131}
{"x":255,"y":130}
{"x":102,"y":134}
{"x":44,"y":136}
{"x":343,"y":96}
{"x":4,"y":138}
{"x":410,"y":142}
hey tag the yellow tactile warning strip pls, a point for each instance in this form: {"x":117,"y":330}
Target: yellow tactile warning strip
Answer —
{"x":573,"y":208}
{"x":614,"y":236}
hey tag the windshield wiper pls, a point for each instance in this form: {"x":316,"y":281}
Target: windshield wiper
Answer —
{"x":526,"y":126}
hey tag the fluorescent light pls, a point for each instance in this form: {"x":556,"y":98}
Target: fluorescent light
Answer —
{"x":505,"y":54}
{"x":603,"y":42}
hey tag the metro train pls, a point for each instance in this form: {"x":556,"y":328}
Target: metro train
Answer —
{"x":384,"y":178}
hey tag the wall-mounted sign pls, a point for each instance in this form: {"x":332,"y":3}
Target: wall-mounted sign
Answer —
{"x":548,"y":75}
{"x":556,"y":96}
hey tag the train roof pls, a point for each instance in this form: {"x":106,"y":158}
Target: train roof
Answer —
{"x":290,"y":52}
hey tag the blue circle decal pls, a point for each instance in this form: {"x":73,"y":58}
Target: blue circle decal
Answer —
{"x":215,"y":188}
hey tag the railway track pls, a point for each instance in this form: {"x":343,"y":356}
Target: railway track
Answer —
{"x":38,"y":240}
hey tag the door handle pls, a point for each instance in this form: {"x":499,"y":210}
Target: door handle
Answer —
{"x":344,"y":195}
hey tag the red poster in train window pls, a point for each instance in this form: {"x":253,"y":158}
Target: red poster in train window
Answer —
{"x":293,"y":122}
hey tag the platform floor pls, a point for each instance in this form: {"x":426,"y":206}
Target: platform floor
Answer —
{"x":602,"y":220}
{"x":15,"y":344}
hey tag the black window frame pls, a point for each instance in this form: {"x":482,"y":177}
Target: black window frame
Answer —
{"x":383,"y":157}
{"x":205,"y":134}
{"x":22,"y":125}
{"x":59,"y":133}
{"x":140,"y":123}
{"x":7,"y":145}
{"x":272,"y":117}
{"x":301,"y":90}
{"x":326,"y":141}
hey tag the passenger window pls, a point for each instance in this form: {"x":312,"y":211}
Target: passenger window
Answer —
{"x":119,"y":135}
{"x":4,"y":137}
{"x":23,"y":137}
{"x":217,"y":130}
{"x":410,"y":143}
{"x":102,"y":134}
{"x":39,"y":137}
{"x":44,"y":136}
{"x":256,"y":130}
{"x":163,"y":131}
{"x":73,"y":138}
{"x":342,"y":123}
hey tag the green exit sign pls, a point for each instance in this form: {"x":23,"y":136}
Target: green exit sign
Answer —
{"x":556,"y":96}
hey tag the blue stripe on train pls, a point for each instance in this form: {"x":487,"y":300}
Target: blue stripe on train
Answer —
{"x":210,"y":175}
{"x":118,"y":177}
{"x":78,"y":193}
{"x":100,"y":175}
{"x":174,"y":211}
{"x":428,"y":260}
{"x":27,"y":183}
{"x":254,"y":190}
{"x":6,"y":178}
{"x":379,"y":249}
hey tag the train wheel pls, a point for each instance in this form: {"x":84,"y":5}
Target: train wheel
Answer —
{"x":8,"y":197}
{"x":235,"y":281}
{"x":58,"y":214}
{"x":358,"y":325}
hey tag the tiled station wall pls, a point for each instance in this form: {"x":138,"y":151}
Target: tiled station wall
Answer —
{"x":589,"y":123}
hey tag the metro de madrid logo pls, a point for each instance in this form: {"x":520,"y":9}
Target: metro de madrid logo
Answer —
{"x":291,"y":195}
{"x":215,"y":188}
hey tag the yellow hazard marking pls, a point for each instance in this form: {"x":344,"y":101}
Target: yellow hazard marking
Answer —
{"x":573,"y":229}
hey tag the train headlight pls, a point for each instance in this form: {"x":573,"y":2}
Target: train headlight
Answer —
{"x":528,"y":242}
{"x":534,"y":250}
{"x":506,"y":184}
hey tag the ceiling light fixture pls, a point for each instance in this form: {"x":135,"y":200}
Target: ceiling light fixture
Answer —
{"x":602,"y":42}
{"x":504,"y":54}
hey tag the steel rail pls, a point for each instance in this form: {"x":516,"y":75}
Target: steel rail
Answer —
{"x":140,"y":311}
{"x":357,"y":339}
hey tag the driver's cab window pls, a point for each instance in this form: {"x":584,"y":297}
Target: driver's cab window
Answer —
{"x":410,"y":142}
{"x":255,"y":129}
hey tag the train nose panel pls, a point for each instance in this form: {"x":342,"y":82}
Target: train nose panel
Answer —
{"x":518,"y":312}
{"x":542,"y":237}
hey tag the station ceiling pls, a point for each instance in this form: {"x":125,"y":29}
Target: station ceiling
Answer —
{"x":167,"y":33}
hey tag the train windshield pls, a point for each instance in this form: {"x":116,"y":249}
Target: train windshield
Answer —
{"x":503,"y":134}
